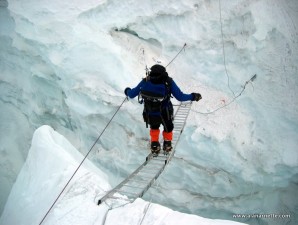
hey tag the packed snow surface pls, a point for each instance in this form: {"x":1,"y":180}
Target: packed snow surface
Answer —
{"x":66,"y":63}
{"x":40,"y":182}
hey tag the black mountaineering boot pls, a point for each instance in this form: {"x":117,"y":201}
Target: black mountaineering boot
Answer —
{"x":155,"y":147}
{"x":167,"y":146}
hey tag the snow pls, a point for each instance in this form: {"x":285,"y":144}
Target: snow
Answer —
{"x":50,"y":163}
{"x":66,"y":64}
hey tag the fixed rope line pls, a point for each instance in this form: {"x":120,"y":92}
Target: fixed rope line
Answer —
{"x":236,"y":96}
{"x":82,"y":162}
{"x":110,"y":208}
{"x":223,"y":48}
{"x":176,"y":55}
{"x":226,"y":71}
{"x":145,"y":213}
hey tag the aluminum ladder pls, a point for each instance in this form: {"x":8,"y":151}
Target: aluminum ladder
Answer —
{"x":137,"y":183}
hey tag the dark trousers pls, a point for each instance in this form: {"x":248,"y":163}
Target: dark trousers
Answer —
{"x":165,"y":118}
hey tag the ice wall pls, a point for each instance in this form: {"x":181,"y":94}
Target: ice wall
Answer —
{"x":44,"y":82}
{"x":30,"y":96}
{"x":66,"y":64}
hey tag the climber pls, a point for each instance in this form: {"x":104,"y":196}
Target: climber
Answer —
{"x":155,"y":91}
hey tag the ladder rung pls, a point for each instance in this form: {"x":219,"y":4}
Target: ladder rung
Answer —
{"x":127,"y":192}
{"x":153,"y":171}
{"x":147,"y":177}
{"x":113,"y":197}
{"x":154,"y":167}
{"x":142,"y":175}
{"x":155,"y":163}
{"x":138,"y":181}
{"x":144,"y":178}
{"x":146,"y":172}
{"x":126,"y":185}
{"x":161,"y":160}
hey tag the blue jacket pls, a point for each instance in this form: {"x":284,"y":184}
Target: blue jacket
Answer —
{"x":175,"y":90}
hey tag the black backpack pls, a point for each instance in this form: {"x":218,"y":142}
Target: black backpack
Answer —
{"x":155,"y":97}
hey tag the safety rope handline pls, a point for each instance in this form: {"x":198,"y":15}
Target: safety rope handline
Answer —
{"x":110,"y":208}
{"x":105,"y":216}
{"x":145,"y":212}
{"x":176,"y":55}
{"x":82,"y":162}
{"x":243,"y":88}
{"x":223,"y":48}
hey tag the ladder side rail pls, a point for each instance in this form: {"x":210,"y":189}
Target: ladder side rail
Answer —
{"x":112,"y":191}
{"x":188,"y":106}
{"x":151,"y":182}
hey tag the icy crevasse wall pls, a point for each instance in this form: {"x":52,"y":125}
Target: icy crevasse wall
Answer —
{"x":43,"y":81}
{"x":243,"y":158}
{"x":58,"y":71}
{"x":66,"y":64}
{"x":30,"y":96}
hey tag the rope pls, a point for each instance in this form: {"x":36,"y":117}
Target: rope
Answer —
{"x":176,"y":55}
{"x":226,"y":71}
{"x":81,"y":162}
{"x":243,"y":88}
{"x":145,"y":213}
{"x":110,"y":209}
{"x":223,"y":48}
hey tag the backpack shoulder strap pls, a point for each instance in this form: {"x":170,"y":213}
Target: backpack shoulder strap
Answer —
{"x":169,"y":79}
{"x":168,"y":84}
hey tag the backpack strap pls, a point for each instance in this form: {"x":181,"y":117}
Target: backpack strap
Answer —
{"x":140,"y":98}
{"x":168,"y":84}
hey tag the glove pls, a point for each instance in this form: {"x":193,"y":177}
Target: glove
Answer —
{"x":127,"y":90}
{"x":196,"y":96}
